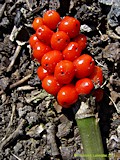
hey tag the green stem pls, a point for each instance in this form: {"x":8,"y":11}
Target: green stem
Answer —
{"x":90,"y":133}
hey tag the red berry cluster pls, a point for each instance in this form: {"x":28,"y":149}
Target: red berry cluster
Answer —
{"x":64,"y":71}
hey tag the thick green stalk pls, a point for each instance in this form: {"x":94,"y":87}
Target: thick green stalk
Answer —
{"x":90,"y":133}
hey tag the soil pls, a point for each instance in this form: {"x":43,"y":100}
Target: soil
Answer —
{"x":33,"y":126}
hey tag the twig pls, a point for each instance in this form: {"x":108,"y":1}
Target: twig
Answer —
{"x":105,"y":82}
{"x":17,"y":83}
{"x":24,"y":88}
{"x":14,"y":33}
{"x":11,"y":118}
{"x":20,"y":81}
{"x":51,"y":139}
{"x":39,"y":96}
{"x":16,"y":156}
{"x":2,"y":10}
{"x":14,"y":6}
{"x":14,"y":58}
{"x":14,"y":135}
{"x":10,"y":122}
{"x":29,"y":6}
{"x":100,"y":64}
{"x":114,"y":104}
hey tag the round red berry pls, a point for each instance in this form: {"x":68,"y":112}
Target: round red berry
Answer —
{"x":44,"y":34}
{"x":50,"y":59}
{"x":42,"y":73}
{"x":51,"y":85}
{"x":37,"y":22}
{"x":32,"y":40}
{"x":67,"y":95}
{"x":72,"y":51}
{"x":81,"y":39}
{"x":97,"y":76}
{"x":84,"y":66}
{"x":64,"y":71}
{"x":39,"y":50}
{"x":84,"y":86}
{"x":51,"y":19}
{"x":59,"y":40}
{"x":70,"y":25}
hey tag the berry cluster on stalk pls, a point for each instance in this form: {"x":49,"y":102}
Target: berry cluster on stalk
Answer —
{"x":64,"y":70}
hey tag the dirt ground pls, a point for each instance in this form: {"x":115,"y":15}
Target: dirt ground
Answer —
{"x":32,"y":125}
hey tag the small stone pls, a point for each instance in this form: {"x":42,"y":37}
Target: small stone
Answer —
{"x":118,"y":131}
{"x":67,"y":152}
{"x":106,"y":2}
{"x":22,"y":111}
{"x":32,"y":117}
{"x":114,"y":14}
{"x":57,"y":107}
{"x":17,"y":148}
{"x":4,"y":83}
{"x":64,"y":129}
{"x":35,"y":131}
{"x":117,"y":29}
{"x":85,"y":28}
{"x":112,"y":52}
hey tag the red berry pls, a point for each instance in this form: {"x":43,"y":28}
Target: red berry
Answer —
{"x":84,"y":86}
{"x":42,"y":73}
{"x":67,"y":95}
{"x":39,"y":50}
{"x":64,"y":71}
{"x":81,"y":39}
{"x":84,"y":66}
{"x":32,"y":40}
{"x":59,"y":40}
{"x":70,"y":25}
{"x":98,"y":94}
{"x":72,"y":51}
{"x":51,"y":85}
{"x":97,"y":76}
{"x":44,"y":34}
{"x":51,"y":19}
{"x":50,"y":59}
{"x":38,"y":21}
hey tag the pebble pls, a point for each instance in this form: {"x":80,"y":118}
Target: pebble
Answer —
{"x":67,"y":152}
{"x":117,"y":29}
{"x":64,"y":129}
{"x":118,"y":131}
{"x":17,"y":148}
{"x":22,"y":111}
{"x":4,"y":82}
{"x":32,"y":117}
{"x":114,"y":14}
{"x":35,"y":131}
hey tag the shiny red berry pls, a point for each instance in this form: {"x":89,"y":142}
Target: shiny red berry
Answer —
{"x":39,"y":50}
{"x":84,"y":66}
{"x":72,"y":51}
{"x":84,"y":86}
{"x":51,"y":85}
{"x":59,"y":40}
{"x":38,"y":21}
{"x":64,"y":71}
{"x":44,"y":34}
{"x":42,"y":73}
{"x":67,"y":96}
{"x":50,"y":59}
{"x":51,"y":19}
{"x":70,"y":25}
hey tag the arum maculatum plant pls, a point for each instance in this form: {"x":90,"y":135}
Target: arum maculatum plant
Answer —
{"x":67,"y":73}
